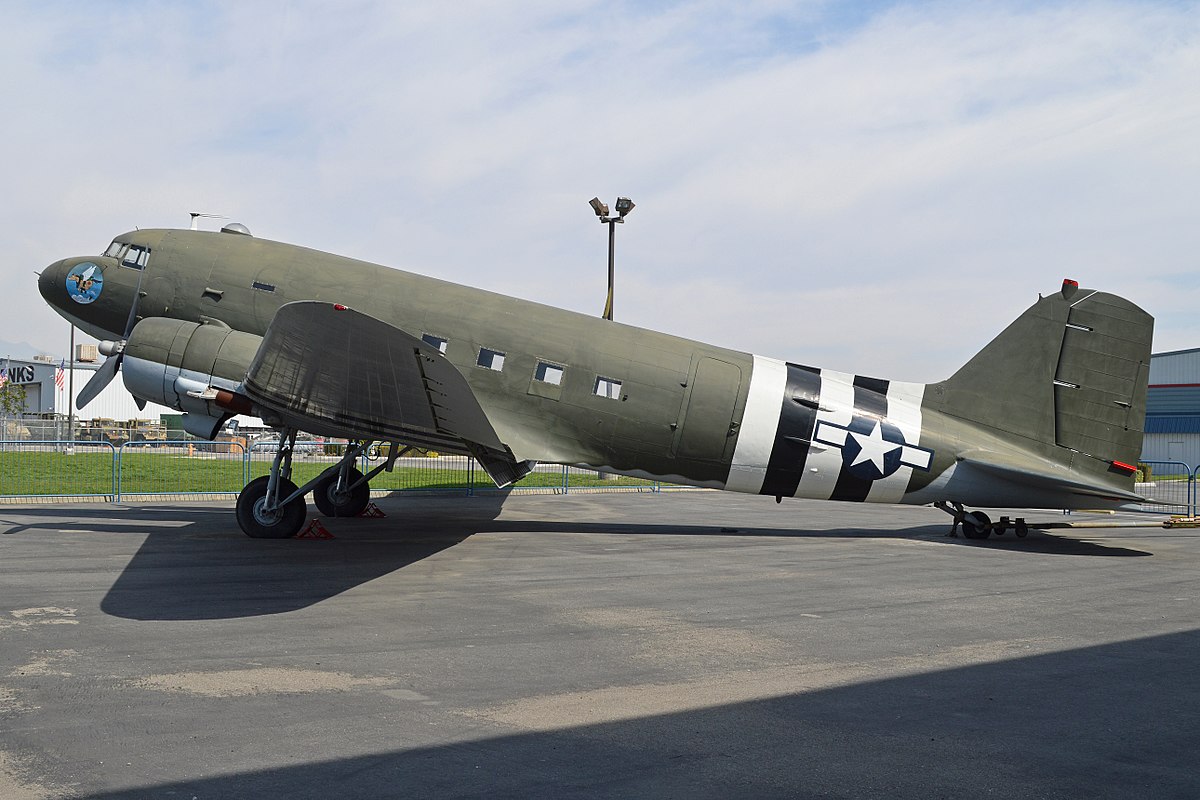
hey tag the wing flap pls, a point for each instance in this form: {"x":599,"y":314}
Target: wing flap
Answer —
{"x":338,"y":372}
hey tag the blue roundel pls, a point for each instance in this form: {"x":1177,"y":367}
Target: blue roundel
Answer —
{"x":873,"y":448}
{"x":85,"y":282}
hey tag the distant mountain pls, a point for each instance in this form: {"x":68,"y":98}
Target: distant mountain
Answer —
{"x":22,"y":350}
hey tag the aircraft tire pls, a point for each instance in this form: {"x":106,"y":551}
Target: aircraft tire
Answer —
{"x":348,"y":505}
{"x":285,"y":523}
{"x":976,"y":525}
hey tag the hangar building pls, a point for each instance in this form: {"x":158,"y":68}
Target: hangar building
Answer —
{"x":51,"y":391}
{"x":1173,"y":408}
{"x":46,"y":395}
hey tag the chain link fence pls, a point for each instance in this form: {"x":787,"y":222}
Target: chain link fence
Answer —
{"x":50,"y":468}
{"x":116,"y":461}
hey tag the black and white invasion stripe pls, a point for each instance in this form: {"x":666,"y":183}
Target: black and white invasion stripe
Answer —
{"x":797,"y":421}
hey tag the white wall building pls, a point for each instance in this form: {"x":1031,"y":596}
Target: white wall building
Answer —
{"x":43,"y":395}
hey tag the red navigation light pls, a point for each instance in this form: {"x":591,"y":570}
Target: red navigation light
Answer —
{"x":339,"y":307}
{"x":1068,"y":282}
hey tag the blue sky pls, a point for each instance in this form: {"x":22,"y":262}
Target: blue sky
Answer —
{"x":872,"y":187}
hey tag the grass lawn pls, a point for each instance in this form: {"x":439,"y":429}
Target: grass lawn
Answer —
{"x":92,"y":471}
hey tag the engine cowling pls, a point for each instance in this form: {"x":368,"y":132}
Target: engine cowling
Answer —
{"x":194,"y":368}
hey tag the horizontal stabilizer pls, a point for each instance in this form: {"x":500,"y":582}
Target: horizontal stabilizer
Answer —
{"x":1045,"y":475}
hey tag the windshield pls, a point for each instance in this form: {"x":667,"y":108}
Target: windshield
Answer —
{"x":129,"y":255}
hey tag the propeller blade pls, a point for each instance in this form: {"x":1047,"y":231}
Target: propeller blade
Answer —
{"x":103,"y":377}
{"x":114,"y":351}
{"x":137,"y":298}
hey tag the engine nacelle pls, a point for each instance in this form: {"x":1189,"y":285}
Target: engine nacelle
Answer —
{"x":190,"y":367}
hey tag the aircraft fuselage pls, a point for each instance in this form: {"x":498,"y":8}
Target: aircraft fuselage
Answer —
{"x":564,"y":387}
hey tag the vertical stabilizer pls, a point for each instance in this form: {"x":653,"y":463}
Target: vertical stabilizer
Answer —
{"x":1070,"y":373}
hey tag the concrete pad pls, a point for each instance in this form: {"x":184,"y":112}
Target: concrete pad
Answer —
{"x":682,"y":644}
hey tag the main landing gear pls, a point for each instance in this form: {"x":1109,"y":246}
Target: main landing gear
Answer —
{"x":977,"y":525}
{"x":273,"y":507}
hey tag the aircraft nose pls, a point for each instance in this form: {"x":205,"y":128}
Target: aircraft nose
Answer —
{"x":79,"y":279}
{"x":52,"y":282}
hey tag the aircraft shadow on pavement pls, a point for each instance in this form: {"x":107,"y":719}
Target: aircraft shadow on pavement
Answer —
{"x":1111,"y":721}
{"x":206,"y":569}
{"x":216,"y":572}
{"x":1037,"y":542}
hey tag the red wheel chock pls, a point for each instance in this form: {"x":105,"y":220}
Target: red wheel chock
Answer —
{"x":372,"y":510}
{"x":315,"y":530}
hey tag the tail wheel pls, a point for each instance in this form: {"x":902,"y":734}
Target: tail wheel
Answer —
{"x":257,"y":522}
{"x":333,"y":503}
{"x":976,"y":525}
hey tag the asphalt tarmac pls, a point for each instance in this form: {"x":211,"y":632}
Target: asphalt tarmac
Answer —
{"x":634,"y":645}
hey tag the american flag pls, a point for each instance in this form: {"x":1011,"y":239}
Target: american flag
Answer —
{"x":60,"y":374}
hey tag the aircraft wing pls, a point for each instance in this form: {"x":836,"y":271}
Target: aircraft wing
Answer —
{"x":1046,"y":476}
{"x":334,"y":371}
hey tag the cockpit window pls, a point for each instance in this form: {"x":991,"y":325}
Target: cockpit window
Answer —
{"x":135,"y":257}
{"x":114,"y":249}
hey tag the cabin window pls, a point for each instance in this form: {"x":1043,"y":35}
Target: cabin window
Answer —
{"x":490,"y":359}
{"x":136,"y":257}
{"x":607,"y":387}
{"x":440,"y":343}
{"x":548,"y":373}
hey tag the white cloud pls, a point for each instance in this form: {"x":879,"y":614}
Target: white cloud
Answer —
{"x":883,"y":188}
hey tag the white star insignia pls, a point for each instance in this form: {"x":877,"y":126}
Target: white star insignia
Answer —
{"x":874,"y":447}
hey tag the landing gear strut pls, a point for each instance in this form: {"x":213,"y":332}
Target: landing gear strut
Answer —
{"x":272,"y":507}
{"x":977,"y":525}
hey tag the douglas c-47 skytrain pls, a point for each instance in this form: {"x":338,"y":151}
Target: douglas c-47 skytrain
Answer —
{"x":1048,"y":415}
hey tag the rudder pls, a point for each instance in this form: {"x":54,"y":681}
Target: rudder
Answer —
{"x":1071,"y":372}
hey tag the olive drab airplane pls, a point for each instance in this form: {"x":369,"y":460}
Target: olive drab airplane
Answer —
{"x":1048,"y":415}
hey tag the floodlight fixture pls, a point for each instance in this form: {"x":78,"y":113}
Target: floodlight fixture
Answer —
{"x":624,"y":206}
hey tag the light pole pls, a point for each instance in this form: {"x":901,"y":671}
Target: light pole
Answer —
{"x":70,"y":396}
{"x":624,"y":206}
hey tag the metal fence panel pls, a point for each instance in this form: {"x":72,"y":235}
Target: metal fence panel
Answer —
{"x":1171,"y":485}
{"x":599,"y":481}
{"x":50,"y":468}
{"x":455,"y":474}
{"x":180,"y":467}
{"x":443,"y":473}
